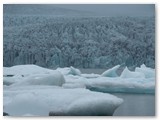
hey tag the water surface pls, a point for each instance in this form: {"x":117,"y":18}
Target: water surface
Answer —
{"x":136,"y":105}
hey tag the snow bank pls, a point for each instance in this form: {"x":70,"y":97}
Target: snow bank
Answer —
{"x":69,"y":71}
{"x":148,"y":72}
{"x":111,"y":72}
{"x":41,"y":100}
{"x":54,"y":78}
{"x":129,"y":74}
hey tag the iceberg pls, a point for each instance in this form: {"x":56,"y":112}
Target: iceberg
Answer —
{"x":31,"y":75}
{"x":111,"y":72}
{"x":25,"y":70}
{"x":142,"y":80}
{"x":120,"y":85}
{"x":148,"y":72}
{"x":74,"y":85}
{"x":54,"y":78}
{"x":69,"y":71}
{"x":129,"y":74}
{"x":67,"y":92}
{"x":128,"y":82}
{"x":13,"y":79}
{"x":49,"y":100}
{"x":74,"y":71}
{"x":90,"y":76}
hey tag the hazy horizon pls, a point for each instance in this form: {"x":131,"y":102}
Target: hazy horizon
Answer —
{"x":95,"y":9}
{"x":114,"y":9}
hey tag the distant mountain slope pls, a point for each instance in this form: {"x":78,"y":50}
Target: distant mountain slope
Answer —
{"x":38,"y":9}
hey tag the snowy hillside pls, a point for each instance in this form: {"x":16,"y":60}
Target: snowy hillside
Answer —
{"x":83,"y":42}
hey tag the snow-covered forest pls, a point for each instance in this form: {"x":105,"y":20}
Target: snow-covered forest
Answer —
{"x":82,"y":42}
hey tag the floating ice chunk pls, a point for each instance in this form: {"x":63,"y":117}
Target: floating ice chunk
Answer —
{"x":114,"y":84}
{"x":129,"y":74}
{"x":74,"y":71}
{"x":8,"y":81}
{"x":121,"y":85}
{"x":25,"y":70}
{"x":56,"y":78}
{"x":20,"y":73}
{"x":64,"y":71}
{"x":28,"y":115}
{"x":23,"y":104}
{"x":97,"y":106}
{"x":11,"y":80}
{"x":74,"y":85}
{"x":148,"y":72}
{"x":42,"y":100}
{"x":111,"y":72}
{"x":69,"y":71}
{"x":92,"y":75}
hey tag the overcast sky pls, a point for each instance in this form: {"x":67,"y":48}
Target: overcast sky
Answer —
{"x":114,"y":9}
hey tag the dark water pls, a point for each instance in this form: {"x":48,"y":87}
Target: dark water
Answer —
{"x":136,"y":105}
{"x":89,"y":71}
{"x":97,"y":71}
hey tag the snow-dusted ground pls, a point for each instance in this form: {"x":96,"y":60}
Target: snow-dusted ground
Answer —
{"x":32,"y":90}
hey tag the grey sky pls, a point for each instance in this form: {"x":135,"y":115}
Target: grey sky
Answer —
{"x":114,"y":9}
